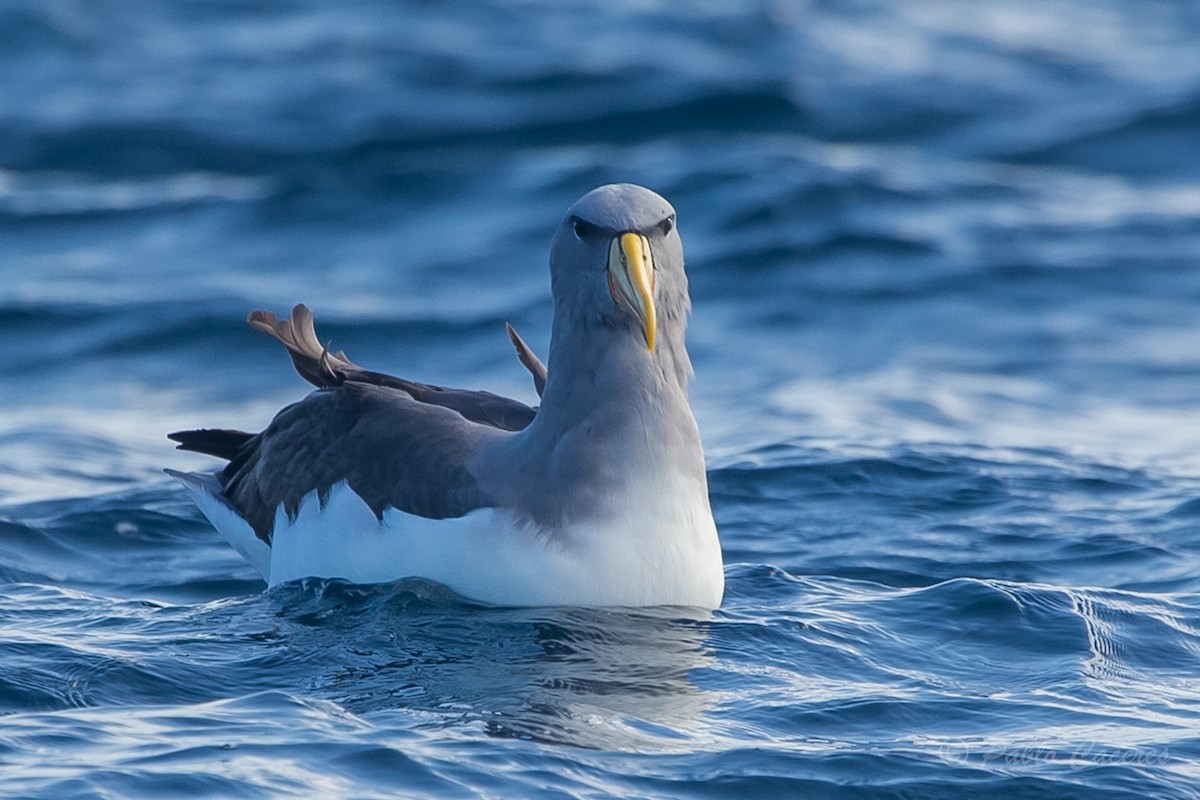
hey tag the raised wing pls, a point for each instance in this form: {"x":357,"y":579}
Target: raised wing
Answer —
{"x":325,"y":369}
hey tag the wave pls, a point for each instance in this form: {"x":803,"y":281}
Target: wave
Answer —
{"x":1161,"y":141}
{"x":66,"y":194}
{"x":927,"y":514}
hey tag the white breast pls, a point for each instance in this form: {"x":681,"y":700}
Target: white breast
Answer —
{"x":665,"y":557}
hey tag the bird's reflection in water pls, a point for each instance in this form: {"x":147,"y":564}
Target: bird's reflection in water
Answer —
{"x":603,"y":678}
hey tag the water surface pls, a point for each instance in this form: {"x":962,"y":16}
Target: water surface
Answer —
{"x":947,"y":344}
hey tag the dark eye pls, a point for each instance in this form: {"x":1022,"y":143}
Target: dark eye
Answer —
{"x":667,"y":225}
{"x":583,"y":229}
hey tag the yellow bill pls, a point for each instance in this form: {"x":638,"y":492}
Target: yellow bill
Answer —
{"x":631,"y":280}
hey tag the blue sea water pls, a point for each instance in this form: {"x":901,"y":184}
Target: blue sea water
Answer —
{"x":945,"y":262}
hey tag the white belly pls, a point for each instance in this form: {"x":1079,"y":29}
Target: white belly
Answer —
{"x":667,"y":558}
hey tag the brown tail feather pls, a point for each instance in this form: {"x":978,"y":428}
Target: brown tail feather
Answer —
{"x":313,"y":360}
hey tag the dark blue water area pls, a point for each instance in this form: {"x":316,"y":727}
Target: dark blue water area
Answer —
{"x":945,"y":266}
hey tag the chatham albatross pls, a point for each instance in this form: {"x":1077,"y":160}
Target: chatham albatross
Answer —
{"x":596,"y":498}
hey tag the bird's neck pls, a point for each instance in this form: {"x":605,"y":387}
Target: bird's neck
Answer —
{"x":597,"y":367}
{"x":614,"y":420}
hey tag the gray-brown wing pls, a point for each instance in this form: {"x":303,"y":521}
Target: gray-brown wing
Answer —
{"x":392,"y":450}
{"x":325,"y":369}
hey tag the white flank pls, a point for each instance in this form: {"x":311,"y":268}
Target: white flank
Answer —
{"x":205,"y":490}
{"x":671,"y":557}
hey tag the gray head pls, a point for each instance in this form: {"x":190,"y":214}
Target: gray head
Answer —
{"x":617,"y":262}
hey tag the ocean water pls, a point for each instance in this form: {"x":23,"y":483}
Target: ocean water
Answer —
{"x":945,"y":262}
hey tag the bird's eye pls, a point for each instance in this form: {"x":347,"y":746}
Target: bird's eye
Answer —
{"x":582,"y":228}
{"x":667,"y":225}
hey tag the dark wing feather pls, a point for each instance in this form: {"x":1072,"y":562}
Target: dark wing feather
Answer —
{"x":397,"y":443}
{"x":392,"y":450}
{"x":212,"y":441}
{"x":477,"y":406}
{"x":529,"y":358}
{"x":324,"y":369}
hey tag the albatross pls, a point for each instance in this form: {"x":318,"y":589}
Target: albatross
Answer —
{"x":596,"y":497}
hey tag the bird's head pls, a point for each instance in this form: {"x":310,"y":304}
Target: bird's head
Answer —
{"x":617,"y":259}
